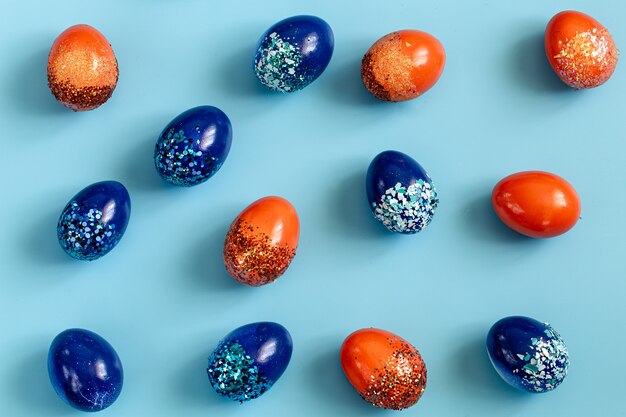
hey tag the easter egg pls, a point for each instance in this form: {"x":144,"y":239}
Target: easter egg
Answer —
{"x":249,"y":360}
{"x":580,"y":50}
{"x":292,"y":53}
{"x":400,"y":193}
{"x":82,"y":68}
{"x":536,"y":204}
{"x":193,"y":146}
{"x":402,"y":65}
{"x":94,"y":220}
{"x":386,"y":370}
{"x":85,"y":370}
{"x":527,"y":354}
{"x":262,"y":241}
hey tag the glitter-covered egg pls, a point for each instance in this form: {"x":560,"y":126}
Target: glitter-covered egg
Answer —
{"x":249,"y":360}
{"x":193,"y":146}
{"x":262,"y":241}
{"x":528,"y":354}
{"x":580,"y":50}
{"x":386,"y":370}
{"x":400,"y":193}
{"x":536,"y":203}
{"x":85,"y":370}
{"x":403,"y":65}
{"x":94,"y":220}
{"x":293,"y":52}
{"x":82,"y":68}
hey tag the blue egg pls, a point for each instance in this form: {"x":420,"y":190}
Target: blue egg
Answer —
{"x":249,"y":360}
{"x":528,"y":354}
{"x":193,"y":146}
{"x":400,"y":193}
{"x":292,"y":53}
{"x":85,"y":370}
{"x":94,"y":220}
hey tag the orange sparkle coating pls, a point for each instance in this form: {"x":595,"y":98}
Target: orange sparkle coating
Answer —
{"x":403,"y":65}
{"x":82,"y":68}
{"x":580,"y":50}
{"x":262,"y":241}
{"x":385,"y":369}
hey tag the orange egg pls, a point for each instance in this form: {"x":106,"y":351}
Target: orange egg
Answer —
{"x":580,"y":50}
{"x":403,"y":65}
{"x":262,"y":241}
{"x":82,"y":69}
{"x":386,"y":370}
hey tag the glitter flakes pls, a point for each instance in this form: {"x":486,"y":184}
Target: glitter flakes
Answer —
{"x":277,"y":65}
{"x":405,"y":209}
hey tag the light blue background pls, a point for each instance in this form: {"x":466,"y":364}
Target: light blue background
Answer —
{"x":163,"y":298}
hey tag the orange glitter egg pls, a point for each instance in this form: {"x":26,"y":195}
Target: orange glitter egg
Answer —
{"x":386,"y":370}
{"x":262,"y":241}
{"x":580,"y":50}
{"x":403,"y":65}
{"x":82,"y":69}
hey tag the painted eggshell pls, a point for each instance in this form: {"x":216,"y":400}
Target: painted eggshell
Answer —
{"x":193,"y":146}
{"x":262,"y":241}
{"x":403,"y":65}
{"x":249,"y":360}
{"x":527,"y":354}
{"x":94,"y":220}
{"x":386,"y":370}
{"x":400,"y":193}
{"x":580,"y":50}
{"x":536,"y":204}
{"x":85,"y":370}
{"x":292,"y":53}
{"x":82,"y":69}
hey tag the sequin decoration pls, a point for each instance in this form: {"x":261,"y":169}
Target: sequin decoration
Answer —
{"x":293,"y":53}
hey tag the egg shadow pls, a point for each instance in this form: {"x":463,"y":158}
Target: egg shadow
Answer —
{"x":139,"y":171}
{"x":344,"y":86}
{"x":237,"y":76}
{"x":191,"y":384}
{"x":29,"y":384}
{"x":41,"y":241}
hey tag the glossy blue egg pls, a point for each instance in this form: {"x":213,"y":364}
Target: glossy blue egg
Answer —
{"x":249,"y":360}
{"x":193,"y":146}
{"x":292,"y":53}
{"x":85,"y":370}
{"x":528,"y":354}
{"x":94,"y":220}
{"x":400,"y":193}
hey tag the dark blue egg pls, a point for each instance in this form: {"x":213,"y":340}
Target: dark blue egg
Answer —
{"x":528,"y":354}
{"x":292,"y":53}
{"x":400,"y":193}
{"x":85,"y":370}
{"x":249,"y":360}
{"x":94,"y":220}
{"x":193,"y":146}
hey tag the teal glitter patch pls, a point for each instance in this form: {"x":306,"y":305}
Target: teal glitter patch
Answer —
{"x":234,"y":375}
{"x":278,"y":65}
{"x":405,"y":209}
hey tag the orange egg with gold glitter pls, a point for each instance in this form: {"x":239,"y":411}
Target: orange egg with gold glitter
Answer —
{"x":580,"y":50}
{"x":403,"y":65}
{"x":82,"y":68}
{"x":262,"y":241}
{"x":386,"y":370}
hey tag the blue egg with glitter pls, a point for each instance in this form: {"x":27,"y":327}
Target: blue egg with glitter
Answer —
{"x":249,"y":360}
{"x":528,"y":354}
{"x":292,"y":53}
{"x":401,"y":195}
{"x":85,"y":370}
{"x":94,"y":220}
{"x":193,"y":146}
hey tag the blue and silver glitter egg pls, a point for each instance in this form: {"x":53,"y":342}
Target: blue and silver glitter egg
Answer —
{"x":193,"y":146}
{"x":94,"y":220}
{"x":249,"y":360}
{"x":292,"y":53}
{"x":85,"y":370}
{"x":527,"y":354}
{"x":400,"y":193}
